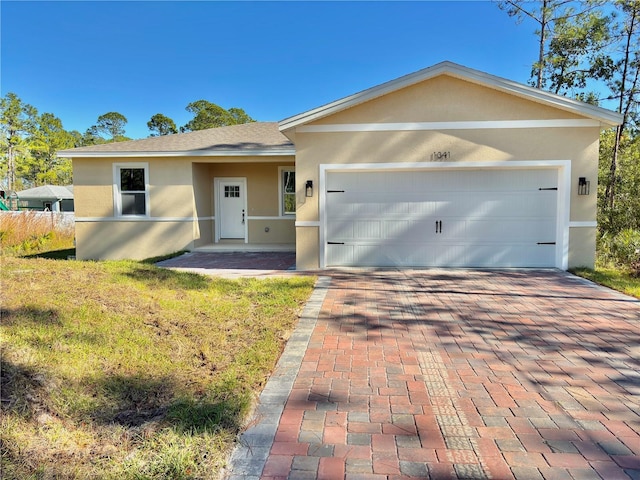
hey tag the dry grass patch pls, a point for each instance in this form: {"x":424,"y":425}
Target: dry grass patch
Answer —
{"x":24,"y":233}
{"x":125,"y":370}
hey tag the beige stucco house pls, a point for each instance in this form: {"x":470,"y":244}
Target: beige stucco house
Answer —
{"x":445,"y":167}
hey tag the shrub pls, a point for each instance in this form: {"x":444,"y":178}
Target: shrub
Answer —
{"x":622,"y":249}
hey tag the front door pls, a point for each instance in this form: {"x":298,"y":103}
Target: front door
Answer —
{"x":232,"y":202}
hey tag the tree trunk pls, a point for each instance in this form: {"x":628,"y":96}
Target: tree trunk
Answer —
{"x":610,"y":191}
{"x":543,"y":38}
{"x":11,"y":161}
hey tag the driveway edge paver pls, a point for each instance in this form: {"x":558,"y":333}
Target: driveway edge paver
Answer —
{"x":248,"y":459}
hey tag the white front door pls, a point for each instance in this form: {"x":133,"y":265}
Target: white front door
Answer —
{"x":232,"y":208}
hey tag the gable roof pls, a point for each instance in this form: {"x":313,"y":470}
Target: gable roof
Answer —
{"x":257,"y":138}
{"x":607,"y":118}
{"x":46,"y":192}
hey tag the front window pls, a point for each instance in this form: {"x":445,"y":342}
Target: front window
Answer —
{"x":132,"y":191}
{"x":288,"y":192}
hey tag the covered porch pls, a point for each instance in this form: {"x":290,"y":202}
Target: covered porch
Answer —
{"x":244,"y":204}
{"x":239,"y":246}
{"x":233,"y":263}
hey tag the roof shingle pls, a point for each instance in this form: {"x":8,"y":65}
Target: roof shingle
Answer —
{"x":245,"y":138}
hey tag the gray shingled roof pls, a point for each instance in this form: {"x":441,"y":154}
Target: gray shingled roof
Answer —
{"x":242,"y":139}
{"x":46,"y":192}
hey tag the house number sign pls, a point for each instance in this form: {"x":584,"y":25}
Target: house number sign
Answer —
{"x":440,"y":156}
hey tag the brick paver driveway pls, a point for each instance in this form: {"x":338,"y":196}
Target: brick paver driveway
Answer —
{"x":454,"y":374}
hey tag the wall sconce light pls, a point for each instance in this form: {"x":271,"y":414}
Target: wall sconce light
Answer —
{"x":308,"y":189}
{"x":583,"y":186}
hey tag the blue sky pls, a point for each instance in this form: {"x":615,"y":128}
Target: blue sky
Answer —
{"x":79,"y":60}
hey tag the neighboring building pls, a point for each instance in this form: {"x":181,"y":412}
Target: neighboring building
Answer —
{"x":446,"y":167}
{"x":49,"y":198}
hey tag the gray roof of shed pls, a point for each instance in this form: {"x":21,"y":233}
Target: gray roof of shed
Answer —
{"x":257,"y":138}
{"x":46,"y":192}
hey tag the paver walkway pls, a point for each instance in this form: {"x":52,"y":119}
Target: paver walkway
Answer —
{"x":235,"y":264}
{"x":453,"y":374}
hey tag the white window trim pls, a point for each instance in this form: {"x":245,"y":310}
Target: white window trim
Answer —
{"x":281,"y":171}
{"x":117,"y":197}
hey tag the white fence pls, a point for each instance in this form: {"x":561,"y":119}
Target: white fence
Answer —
{"x":57,"y":219}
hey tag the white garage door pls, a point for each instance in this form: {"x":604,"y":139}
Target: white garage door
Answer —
{"x":448,"y":218}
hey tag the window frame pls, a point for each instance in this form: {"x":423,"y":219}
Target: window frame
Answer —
{"x":282,"y":193}
{"x":117,"y":189}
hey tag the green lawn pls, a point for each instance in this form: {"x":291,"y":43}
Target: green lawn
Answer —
{"x":613,"y":278}
{"x":122,"y":370}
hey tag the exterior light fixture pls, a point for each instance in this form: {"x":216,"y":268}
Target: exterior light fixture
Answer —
{"x":308,"y":190}
{"x":583,"y":186}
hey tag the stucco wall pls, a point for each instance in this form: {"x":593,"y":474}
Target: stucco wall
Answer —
{"x":444,"y":99}
{"x":100,"y":234}
{"x":135,"y":240}
{"x":170,"y":186}
{"x":182,"y":206}
{"x":582,"y":246}
{"x":448,"y":99}
{"x":93,"y":187}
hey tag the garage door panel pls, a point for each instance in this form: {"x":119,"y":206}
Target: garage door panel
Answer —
{"x":340,"y":255}
{"x":513,"y":230}
{"x":509,"y":256}
{"x":380,"y":255}
{"x":395,"y":231}
{"x":339,"y":230}
{"x":484,"y":218}
{"x":368,"y":229}
{"x":406,"y":231}
{"x":450,"y":230}
{"x":481,"y":256}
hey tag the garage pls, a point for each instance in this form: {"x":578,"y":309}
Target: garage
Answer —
{"x":447,"y":167}
{"x":458,"y":217}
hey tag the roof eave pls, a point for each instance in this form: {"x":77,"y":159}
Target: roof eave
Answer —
{"x":50,"y":197}
{"x":184,"y":153}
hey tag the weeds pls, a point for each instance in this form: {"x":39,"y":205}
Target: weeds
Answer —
{"x":123,"y":370}
{"x":617,"y":279}
{"x":25,"y":233}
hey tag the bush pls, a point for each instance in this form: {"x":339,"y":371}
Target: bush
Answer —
{"x":622,"y":249}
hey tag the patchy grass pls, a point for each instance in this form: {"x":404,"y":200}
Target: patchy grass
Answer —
{"x":122,"y":370}
{"x":620,"y":280}
{"x":63,"y":254}
{"x":27,"y":233}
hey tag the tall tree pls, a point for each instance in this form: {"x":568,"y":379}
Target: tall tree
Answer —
{"x":210,"y":115}
{"x":43,"y":166}
{"x":17,"y":120}
{"x":625,"y":211}
{"x":161,"y":125}
{"x":578,"y":54}
{"x":545,"y":14}
{"x":625,"y":87}
{"x":112,"y":125}
{"x":240,"y":116}
{"x":91,"y":137}
{"x":206,"y":115}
